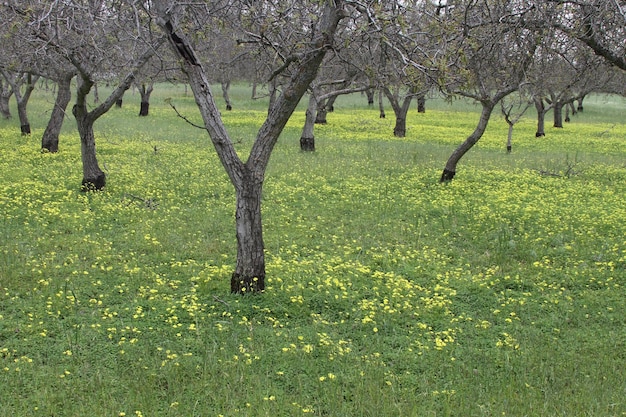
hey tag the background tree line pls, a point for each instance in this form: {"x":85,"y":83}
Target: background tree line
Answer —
{"x":496,"y":52}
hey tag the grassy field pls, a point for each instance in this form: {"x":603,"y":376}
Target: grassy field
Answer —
{"x":500,"y":294}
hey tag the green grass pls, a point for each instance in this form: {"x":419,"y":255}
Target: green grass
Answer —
{"x":388,"y":294}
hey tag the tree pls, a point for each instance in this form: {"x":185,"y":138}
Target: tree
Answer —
{"x":599,"y":24}
{"x":105,"y":40}
{"x":495,"y":52}
{"x":512,"y":118}
{"x":301,"y":48}
{"x":16,"y":81}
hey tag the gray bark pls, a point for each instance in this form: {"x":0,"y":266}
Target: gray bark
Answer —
{"x":50,"y":138}
{"x":247,"y":178}
{"x":5,"y":94}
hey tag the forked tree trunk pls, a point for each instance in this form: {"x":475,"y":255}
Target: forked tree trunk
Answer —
{"x":247,"y":178}
{"x":249,"y":274}
{"x":50,"y":138}
{"x":22,"y":98}
{"x":144,"y":92}
{"x":400,"y":110}
{"x":307,"y":140}
{"x":94,"y":178}
{"x":450,"y":169}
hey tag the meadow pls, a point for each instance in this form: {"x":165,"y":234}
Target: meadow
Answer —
{"x":388,"y":294}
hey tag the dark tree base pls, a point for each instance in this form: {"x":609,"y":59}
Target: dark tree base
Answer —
{"x":382,"y":115}
{"x":421,"y":105}
{"x":567,"y":120}
{"x":307,"y":144}
{"x":96,"y":184}
{"x":118,"y":103}
{"x":539,"y":134}
{"x":25,"y":129}
{"x":246,"y":285}
{"x":50,"y":147}
{"x":509,"y":148}
{"x":399,"y":133}
{"x":447,"y":175}
{"x":144,"y":109}
{"x":229,"y":107}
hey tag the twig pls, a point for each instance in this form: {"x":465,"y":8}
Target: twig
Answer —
{"x":184,"y":117}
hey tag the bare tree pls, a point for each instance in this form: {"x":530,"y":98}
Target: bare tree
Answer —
{"x":103,"y":40}
{"x":599,"y":24}
{"x":16,"y":81}
{"x":496,"y":51}
{"x":302,"y":47}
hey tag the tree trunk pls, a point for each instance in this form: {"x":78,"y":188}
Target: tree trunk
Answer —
{"x":541,"y":117}
{"x":370,"y":96}
{"x":381,"y":104}
{"x":421,"y":104}
{"x":22,"y":102}
{"x":322,"y":111}
{"x":399,"y":110}
{"x":225,"y":88}
{"x":330,"y":104}
{"x":509,"y":140}
{"x":307,"y":140}
{"x":450,"y":169}
{"x":5,"y":94}
{"x":50,"y":138}
{"x":94,"y":178}
{"x":558,"y":113}
{"x":119,"y":102}
{"x":145,"y":92}
{"x":249,"y":274}
{"x":247,"y":178}
{"x":16,"y":81}
{"x":580,"y":104}
{"x":254,"y":88}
